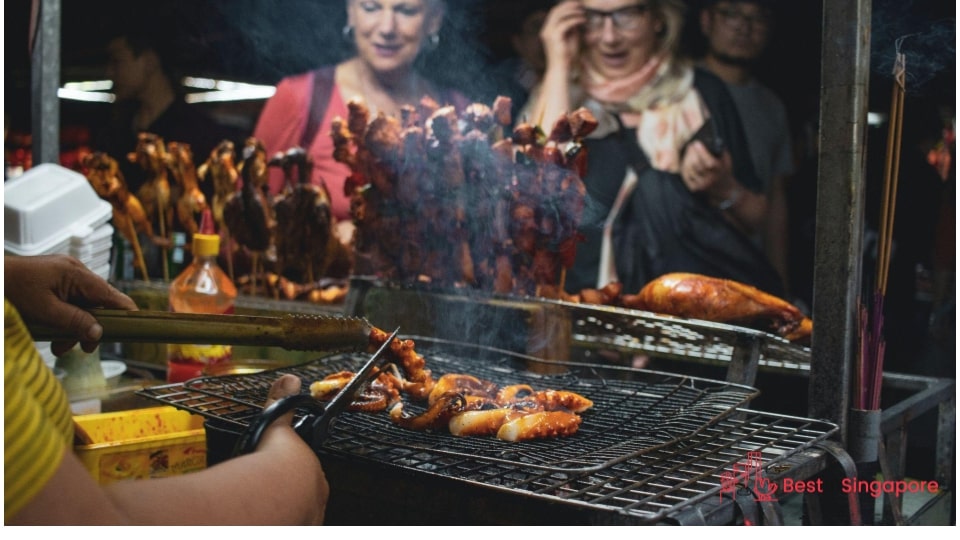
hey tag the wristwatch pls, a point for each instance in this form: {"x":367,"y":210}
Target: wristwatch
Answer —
{"x":734,"y":197}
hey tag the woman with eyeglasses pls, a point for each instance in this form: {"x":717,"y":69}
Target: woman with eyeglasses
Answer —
{"x":669,"y":179}
{"x":387,"y":36}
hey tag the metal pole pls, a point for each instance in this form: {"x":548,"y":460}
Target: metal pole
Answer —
{"x":845,"y":75}
{"x":44,"y":83}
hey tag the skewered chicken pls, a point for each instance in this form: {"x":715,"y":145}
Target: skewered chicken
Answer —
{"x":247,"y":213}
{"x":129,"y":217}
{"x":154,"y":194}
{"x":190,"y":201}
{"x":719,"y":300}
{"x":220,"y":169}
{"x":305,"y":223}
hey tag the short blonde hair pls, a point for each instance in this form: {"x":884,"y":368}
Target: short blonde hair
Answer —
{"x":672,"y":13}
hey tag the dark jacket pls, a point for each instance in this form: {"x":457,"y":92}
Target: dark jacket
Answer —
{"x":663,"y":227}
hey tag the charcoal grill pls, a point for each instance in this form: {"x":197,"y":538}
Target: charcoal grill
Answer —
{"x":653,"y":444}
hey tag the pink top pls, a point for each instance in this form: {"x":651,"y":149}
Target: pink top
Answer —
{"x":280,"y":127}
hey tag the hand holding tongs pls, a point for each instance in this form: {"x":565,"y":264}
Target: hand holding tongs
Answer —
{"x":314,"y":427}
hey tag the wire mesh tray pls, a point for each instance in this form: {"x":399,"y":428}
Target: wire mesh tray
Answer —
{"x":634,"y":412}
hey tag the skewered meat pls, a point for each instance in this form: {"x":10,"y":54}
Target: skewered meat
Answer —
{"x":129,"y":217}
{"x":305,"y":223}
{"x":151,"y":155}
{"x":247,"y":213}
{"x":719,"y":300}
{"x":190,"y":201}
{"x":221,"y":170}
{"x":452,"y":202}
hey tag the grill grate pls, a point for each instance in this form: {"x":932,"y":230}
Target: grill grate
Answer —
{"x":653,"y":446}
{"x":629,"y":417}
{"x":677,"y":338}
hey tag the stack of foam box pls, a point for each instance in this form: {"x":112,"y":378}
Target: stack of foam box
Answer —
{"x":51,"y":209}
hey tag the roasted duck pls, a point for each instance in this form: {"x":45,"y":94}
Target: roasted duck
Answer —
{"x":720,"y":300}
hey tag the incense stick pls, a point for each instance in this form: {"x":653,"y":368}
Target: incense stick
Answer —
{"x":891,"y":174}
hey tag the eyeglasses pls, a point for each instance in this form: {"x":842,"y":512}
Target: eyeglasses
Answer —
{"x":737,"y":19}
{"x":626,"y":18}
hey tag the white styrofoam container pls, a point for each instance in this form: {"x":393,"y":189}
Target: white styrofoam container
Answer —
{"x":46,"y":206}
{"x":102,"y":235}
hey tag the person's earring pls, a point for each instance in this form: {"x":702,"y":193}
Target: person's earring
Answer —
{"x":434,"y":41}
{"x":348,"y":32}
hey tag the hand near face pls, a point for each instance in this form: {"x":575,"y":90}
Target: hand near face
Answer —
{"x":561,"y":32}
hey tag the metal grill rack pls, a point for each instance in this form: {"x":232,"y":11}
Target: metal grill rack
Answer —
{"x":628,"y":418}
{"x":550,"y":328}
{"x":678,"y":338}
{"x":654,"y":447}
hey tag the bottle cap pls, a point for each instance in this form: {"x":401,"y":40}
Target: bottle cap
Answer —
{"x":206,"y":243}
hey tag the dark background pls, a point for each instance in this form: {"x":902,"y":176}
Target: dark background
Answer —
{"x":261,"y":41}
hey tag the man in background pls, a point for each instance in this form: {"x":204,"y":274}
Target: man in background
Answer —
{"x":737,"y":33}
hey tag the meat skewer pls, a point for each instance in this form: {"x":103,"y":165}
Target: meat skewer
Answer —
{"x":221,"y":170}
{"x":129,"y":217}
{"x":190,"y":201}
{"x":154,"y":194}
{"x":247,"y":213}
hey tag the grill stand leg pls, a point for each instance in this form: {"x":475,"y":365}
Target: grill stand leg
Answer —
{"x":845,"y":468}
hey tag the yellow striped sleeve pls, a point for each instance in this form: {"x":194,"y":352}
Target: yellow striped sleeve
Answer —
{"x":37,"y":420}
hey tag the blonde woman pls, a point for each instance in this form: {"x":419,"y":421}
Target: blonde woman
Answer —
{"x":670,"y":183}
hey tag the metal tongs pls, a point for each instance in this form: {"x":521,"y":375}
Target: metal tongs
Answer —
{"x":314,"y":427}
{"x":290,"y":331}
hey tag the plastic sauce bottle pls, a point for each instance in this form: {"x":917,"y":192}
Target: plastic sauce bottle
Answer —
{"x":203,"y":287}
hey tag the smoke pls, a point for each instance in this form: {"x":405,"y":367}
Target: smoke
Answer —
{"x":927,"y":40}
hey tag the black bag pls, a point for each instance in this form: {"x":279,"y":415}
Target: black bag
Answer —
{"x":663,"y":227}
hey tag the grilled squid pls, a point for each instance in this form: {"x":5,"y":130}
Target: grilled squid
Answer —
{"x":539,"y":425}
{"x":483,"y":422}
{"x":466,"y":384}
{"x":380,"y":394}
{"x":417,"y":380}
{"x":434,"y":418}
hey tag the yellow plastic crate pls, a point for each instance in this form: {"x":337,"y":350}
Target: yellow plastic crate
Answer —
{"x":142,"y":443}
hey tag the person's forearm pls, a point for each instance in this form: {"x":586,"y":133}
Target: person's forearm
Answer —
{"x":747,"y":209}
{"x":277,"y":484}
{"x":554,"y":98}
